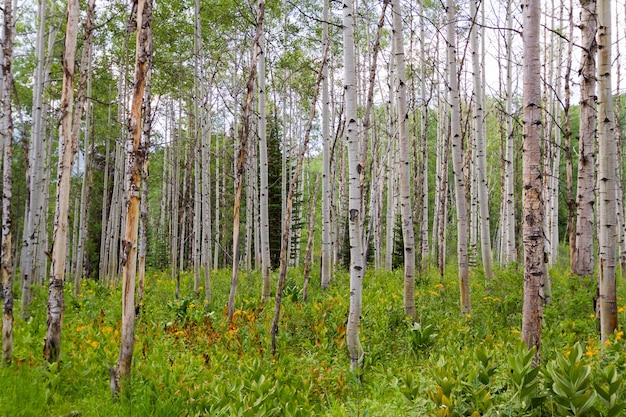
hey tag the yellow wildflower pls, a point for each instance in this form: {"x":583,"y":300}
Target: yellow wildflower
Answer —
{"x":592,"y":316}
{"x":107,"y":329}
{"x":81,"y":328}
{"x":621,"y":309}
{"x":607,"y":343}
{"x":94,"y":343}
{"x":618,"y":335}
{"x":192,"y":305}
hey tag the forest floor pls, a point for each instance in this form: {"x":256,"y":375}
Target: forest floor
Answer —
{"x":189,"y":361}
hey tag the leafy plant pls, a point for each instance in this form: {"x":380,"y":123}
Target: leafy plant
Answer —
{"x":523,"y":377}
{"x":610,"y":391}
{"x":571,"y":383}
{"x":422,"y":337}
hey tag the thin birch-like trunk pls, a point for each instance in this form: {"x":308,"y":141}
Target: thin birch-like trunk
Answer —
{"x":607,"y":151}
{"x":56,"y":305}
{"x":583,"y":261}
{"x":308,"y":255}
{"x":457,"y":161}
{"x":241,"y":159}
{"x":532,"y":197}
{"x":81,"y":99}
{"x":6,"y":131}
{"x":264,"y":191}
{"x":327,"y":257}
{"x":35,"y":170}
{"x":357,"y":260}
{"x":481,"y":146}
{"x":134,"y":167}
{"x":406,"y":205}
{"x":509,"y":188}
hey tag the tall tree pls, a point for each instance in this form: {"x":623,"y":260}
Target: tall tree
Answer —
{"x":263,"y":177}
{"x":457,"y":159}
{"x":357,"y":266}
{"x":6,"y":131}
{"x":607,"y":161}
{"x":140,"y":20}
{"x":481,"y":142}
{"x":532,"y":197}
{"x":582,"y":263}
{"x":241,"y":158}
{"x":406,"y":205}
{"x":326,"y":269}
{"x":67,"y":148}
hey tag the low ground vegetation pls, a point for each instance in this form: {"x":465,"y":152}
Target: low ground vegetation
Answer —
{"x":189,"y":361}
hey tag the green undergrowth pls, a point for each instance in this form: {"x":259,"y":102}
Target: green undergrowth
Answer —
{"x":188,"y":361}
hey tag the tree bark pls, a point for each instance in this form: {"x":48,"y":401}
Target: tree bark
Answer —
{"x":67,"y":148}
{"x":607,"y":151}
{"x":457,"y":161}
{"x":357,"y":261}
{"x":136,"y":155}
{"x":241,"y":159}
{"x":583,"y":260}
{"x":532,"y":198}
{"x":6,"y":131}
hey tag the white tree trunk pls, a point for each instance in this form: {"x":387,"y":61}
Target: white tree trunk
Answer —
{"x":357,"y":266}
{"x":533,"y":197}
{"x":457,"y":160}
{"x":583,"y":261}
{"x":406,"y":205}
{"x":481,"y":146}
{"x":264,"y":191}
{"x":327,"y":257}
{"x":6,"y":131}
{"x":56,"y":305}
{"x":607,"y":151}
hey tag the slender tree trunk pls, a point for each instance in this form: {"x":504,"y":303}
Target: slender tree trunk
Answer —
{"x":310,"y":238}
{"x":6,"y":130}
{"x":134,"y":167}
{"x":481,"y":147}
{"x":406,"y":205}
{"x":265,"y":225}
{"x":509,"y":195}
{"x":457,"y":161}
{"x":357,"y":260}
{"x":327,"y":258}
{"x":56,"y":305}
{"x":607,"y":151}
{"x":533,"y":208}
{"x":583,"y":259}
{"x":241,"y":159}
{"x":85,"y":69}
{"x":35,"y":169}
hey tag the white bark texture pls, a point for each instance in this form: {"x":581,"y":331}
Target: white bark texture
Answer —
{"x":532,"y":198}
{"x":56,"y":306}
{"x":406,"y":206}
{"x":457,"y":161}
{"x":6,"y":132}
{"x":607,"y":160}
{"x":584,"y":259}
{"x":134,"y":166}
{"x":357,"y":266}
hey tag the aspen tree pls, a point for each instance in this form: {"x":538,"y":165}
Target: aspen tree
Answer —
{"x":141,"y":21}
{"x":532,"y":197}
{"x":405,"y":164}
{"x":509,"y":189}
{"x":457,"y":160}
{"x":481,"y":144}
{"x":607,"y":151}
{"x":327,"y":257}
{"x":583,"y":259}
{"x":36,"y":163}
{"x":263,"y":177}
{"x":81,"y":103}
{"x":56,"y":304}
{"x":357,"y":266}
{"x":6,"y":131}
{"x":241,"y":159}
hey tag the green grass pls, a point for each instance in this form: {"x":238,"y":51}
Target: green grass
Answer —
{"x":189,"y":362}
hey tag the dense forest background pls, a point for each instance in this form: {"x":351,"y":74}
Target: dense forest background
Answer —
{"x":337,"y":139}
